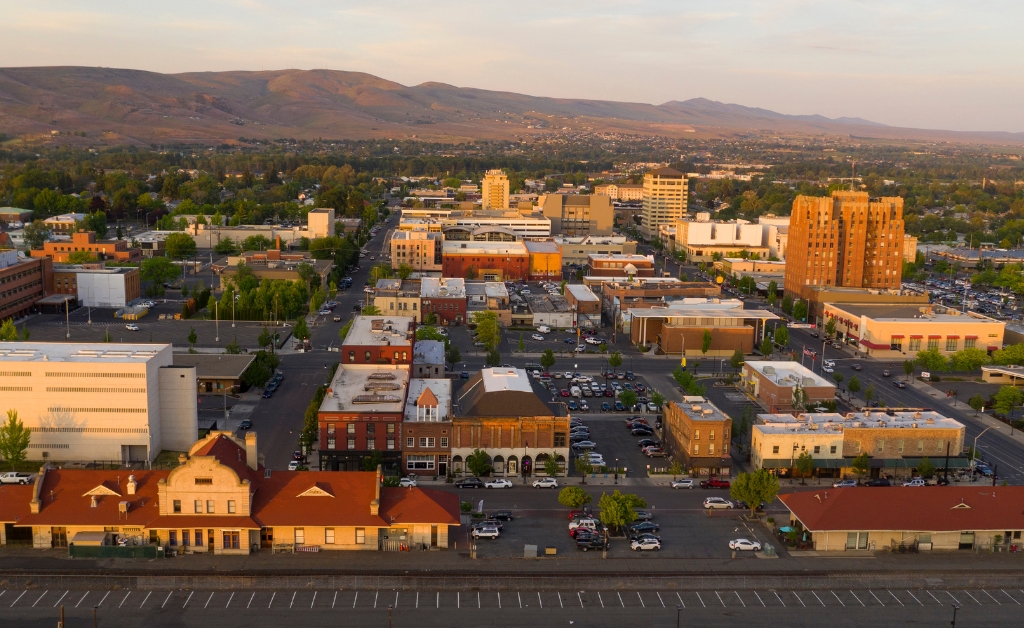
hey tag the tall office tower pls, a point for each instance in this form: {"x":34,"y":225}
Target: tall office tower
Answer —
{"x":665,"y":193}
{"x":494,"y":190}
{"x":847,"y":240}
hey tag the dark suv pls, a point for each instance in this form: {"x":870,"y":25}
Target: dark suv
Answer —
{"x":502,"y":515}
{"x":469,"y":483}
{"x":589,"y":541}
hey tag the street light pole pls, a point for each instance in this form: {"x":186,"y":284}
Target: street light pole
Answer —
{"x":956,"y":607}
{"x":679,"y":610}
{"x":974,"y":450}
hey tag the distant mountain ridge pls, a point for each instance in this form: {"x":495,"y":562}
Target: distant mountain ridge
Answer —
{"x":140,"y":107}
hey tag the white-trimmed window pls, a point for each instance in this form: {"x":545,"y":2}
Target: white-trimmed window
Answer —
{"x":329,"y":536}
{"x":300,"y":536}
{"x":419,"y":462}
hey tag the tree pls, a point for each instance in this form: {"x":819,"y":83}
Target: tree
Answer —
{"x":317,"y":299}
{"x":737,"y":359}
{"x":657,"y":399}
{"x":830,"y":327}
{"x":372,"y":461}
{"x":404,"y":271}
{"x":861,"y":464}
{"x":767,"y":347}
{"x":493,"y":358}
{"x":226,"y":246}
{"x":472,"y":273}
{"x":192,"y":337}
{"x":8,"y":332}
{"x":838,"y":377}
{"x":158,"y":270}
{"x":800,"y":310}
{"x":573,"y":497}
{"x":755,"y":488}
{"x":179,"y":246}
{"x":781,"y":336}
{"x":370,"y":310}
{"x":452,"y":355}
{"x":628,"y":399}
{"x":869,"y":393}
{"x":773,"y":292}
{"x":619,"y":509}
{"x":968,"y":359}
{"x":925,"y":467}
{"x":522,"y":345}
{"x":705,"y":341}
{"x":233,"y":347}
{"x":977,"y":402}
{"x":547,"y":359}
{"x":14,"y":439}
{"x":804,"y":465}
{"x":81,"y":257}
{"x":583,"y":467}
{"x":615,"y":360}
{"x":36,"y":233}
{"x":487,"y":329}
{"x":1006,"y":398}
{"x":908,"y":368}
{"x":378,"y":272}
{"x":931,"y":360}
{"x":787,"y":304}
{"x":478,"y":462}
{"x":551,"y":466}
{"x":799,"y":397}
{"x":264,"y":338}
{"x":1011,"y":354}
{"x":301,"y":330}
{"x":854,"y":385}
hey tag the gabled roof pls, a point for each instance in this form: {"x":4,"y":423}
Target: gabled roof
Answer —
{"x":506,"y":394}
{"x":228,"y":453}
{"x":923,"y":509}
{"x":14,"y":499}
{"x":419,"y":505}
{"x":427,"y":399}
{"x":67,"y":496}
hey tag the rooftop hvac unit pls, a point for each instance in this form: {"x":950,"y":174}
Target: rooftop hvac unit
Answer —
{"x":860,"y":424}
{"x":929,"y":421}
{"x":913,"y":425}
{"x":917,"y":415}
{"x":708,"y":411}
{"x":769,"y":370}
{"x":695,"y":408}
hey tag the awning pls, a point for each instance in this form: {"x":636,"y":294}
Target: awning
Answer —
{"x":991,"y":348}
{"x":897,"y":335}
{"x":916,"y":336}
{"x":970,"y":337}
{"x":953,"y":336}
{"x":939,"y":462}
{"x":936,"y":337}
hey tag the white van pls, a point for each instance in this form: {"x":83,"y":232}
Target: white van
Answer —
{"x":544,"y":329}
{"x":575,"y":391}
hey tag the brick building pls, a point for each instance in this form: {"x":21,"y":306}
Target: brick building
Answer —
{"x":379,"y":340}
{"x":679,"y":328}
{"x":847,"y":239}
{"x":95,"y":285}
{"x":585,"y":304}
{"x":444,"y":297}
{"x":427,"y":429}
{"x":115,"y":250}
{"x":775,"y":382}
{"x":22,"y":283}
{"x":620,"y":266}
{"x":497,"y":411}
{"x":490,"y":261}
{"x":697,"y":434}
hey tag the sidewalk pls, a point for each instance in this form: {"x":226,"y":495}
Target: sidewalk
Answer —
{"x":985,"y":419}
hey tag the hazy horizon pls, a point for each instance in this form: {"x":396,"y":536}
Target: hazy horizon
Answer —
{"x":935,"y":65}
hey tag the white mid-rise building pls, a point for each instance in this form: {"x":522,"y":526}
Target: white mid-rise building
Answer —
{"x":102,"y":401}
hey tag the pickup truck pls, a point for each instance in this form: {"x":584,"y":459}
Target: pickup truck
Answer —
{"x":15,"y":477}
{"x":714,"y":483}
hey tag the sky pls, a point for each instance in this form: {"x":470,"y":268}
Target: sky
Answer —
{"x":938,"y":64}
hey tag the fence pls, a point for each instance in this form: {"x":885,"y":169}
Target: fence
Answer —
{"x":113,"y":551}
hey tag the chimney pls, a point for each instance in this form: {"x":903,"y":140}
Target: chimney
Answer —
{"x":132,"y":485}
{"x":251,"y":459}
{"x":182,"y":458}
{"x":277,"y":240}
{"x":375,"y":504}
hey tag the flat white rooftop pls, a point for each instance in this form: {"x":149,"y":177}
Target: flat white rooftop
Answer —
{"x":440,"y":388}
{"x":786,"y":373}
{"x":812,"y":422}
{"x":367,"y":388}
{"x":581,"y":292}
{"x":435,"y":287}
{"x":78,"y":352}
{"x":504,"y":378}
{"x":380,"y":331}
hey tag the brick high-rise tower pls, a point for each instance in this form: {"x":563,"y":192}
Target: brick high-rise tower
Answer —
{"x":847,"y":240}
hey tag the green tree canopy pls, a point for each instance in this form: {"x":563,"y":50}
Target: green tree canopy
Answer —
{"x":488,"y":329}
{"x":755,"y":488}
{"x":180,"y":246}
{"x":478,"y":462}
{"x":861,"y":464}
{"x":619,"y":509}
{"x":800,"y":310}
{"x":301,"y":330}
{"x":781,"y":336}
{"x":1011,"y":354}
{"x":805,"y":464}
{"x":968,"y":359}
{"x":737,"y":359}
{"x":977,"y":402}
{"x":14,"y":439}
{"x":158,"y":270}
{"x":931,"y":360}
{"x":705,"y":341}
{"x":628,"y":399}
{"x":8,"y":332}
{"x":573,"y":497}
{"x":767,"y":348}
{"x":36,"y":233}
{"x":452,"y":355}
{"x":547,"y":359}
{"x":615,"y":360}
{"x":551,"y":465}
{"x":854,"y":385}
{"x":1006,"y":398}
{"x":925,"y":467}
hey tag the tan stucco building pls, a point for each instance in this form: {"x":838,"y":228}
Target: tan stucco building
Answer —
{"x":664,"y":201}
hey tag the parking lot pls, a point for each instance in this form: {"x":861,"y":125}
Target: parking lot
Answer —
{"x":810,"y":607}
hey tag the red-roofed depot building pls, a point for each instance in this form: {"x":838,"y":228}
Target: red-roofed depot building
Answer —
{"x":933,"y":517}
{"x":221,"y":500}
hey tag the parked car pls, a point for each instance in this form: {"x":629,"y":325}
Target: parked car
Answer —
{"x":545,"y":483}
{"x":15,"y":477}
{"x":644,"y":526}
{"x":131,"y":327}
{"x":714,"y":503}
{"x":407,"y":482}
{"x":744,"y":544}
{"x":293,"y":465}
{"x":879,"y":482}
{"x":337,"y":319}
{"x":857,"y":367}
{"x":899,"y":384}
{"x":654,"y":452}
{"x":644,"y":544}
{"x":584,"y":444}
{"x":498,"y":483}
{"x":714,"y":483}
{"x":502,"y":515}
{"x":588,"y":542}
{"x":642,"y":431}
{"x":489,"y":532}
{"x":844,"y":483}
{"x":886,"y":373}
{"x":683,"y":483}
{"x":647,"y":442}
{"x":644,"y":515}
{"x":245,"y":425}
{"x":915,"y":482}
{"x":268,"y":393}
{"x":469,"y":483}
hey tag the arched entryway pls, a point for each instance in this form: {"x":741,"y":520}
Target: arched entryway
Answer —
{"x":457,"y":465}
{"x":498,"y":465}
{"x":527,"y":465}
{"x":513,"y":465}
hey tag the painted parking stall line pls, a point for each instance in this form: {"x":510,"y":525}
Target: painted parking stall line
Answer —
{"x":146,"y":599}
{"x":40,"y":598}
{"x":19,"y":597}
{"x":60,"y":598}
{"x":124,"y":600}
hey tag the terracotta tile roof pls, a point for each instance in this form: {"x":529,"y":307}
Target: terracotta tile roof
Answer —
{"x":228,"y":453}
{"x":418,"y":505}
{"x":925,"y":509}
{"x":66,"y":503}
{"x":347,"y":503}
{"x":14,"y":499}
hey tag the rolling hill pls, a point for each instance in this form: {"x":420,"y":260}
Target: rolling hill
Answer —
{"x":138,"y":107}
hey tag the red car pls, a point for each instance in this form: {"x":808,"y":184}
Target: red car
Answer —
{"x":576,"y":513}
{"x":714,"y":483}
{"x":565,"y":393}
